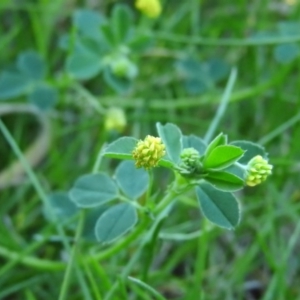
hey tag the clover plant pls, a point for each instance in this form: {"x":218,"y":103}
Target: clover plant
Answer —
{"x":213,"y":171}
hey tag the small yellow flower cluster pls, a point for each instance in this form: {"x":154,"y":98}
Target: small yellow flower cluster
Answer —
{"x":115,"y":119}
{"x":148,"y":152}
{"x":258,"y":169}
{"x":151,"y":8}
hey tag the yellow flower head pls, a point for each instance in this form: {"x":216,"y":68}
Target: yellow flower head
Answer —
{"x":151,"y":8}
{"x":115,"y":119}
{"x":148,"y":152}
{"x":258,"y":169}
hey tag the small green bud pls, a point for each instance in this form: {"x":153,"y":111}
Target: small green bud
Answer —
{"x":190,"y":163}
{"x":148,"y":152}
{"x":258,"y":169}
{"x":122,"y":67}
{"x":190,"y":156}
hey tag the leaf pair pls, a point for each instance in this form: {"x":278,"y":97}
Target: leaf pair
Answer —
{"x":93,"y":190}
{"x":28,"y":78}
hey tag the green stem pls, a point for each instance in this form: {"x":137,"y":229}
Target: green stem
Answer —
{"x":195,"y":20}
{"x":97,"y":164}
{"x":279,"y":130}
{"x":222,"y":107}
{"x":30,"y":261}
{"x":149,"y":190}
{"x":93,"y":280}
{"x":178,"y":187}
{"x":202,"y":250}
{"x":15,"y":258}
{"x":68,"y":272}
{"x":176,"y":38}
{"x":147,"y":287}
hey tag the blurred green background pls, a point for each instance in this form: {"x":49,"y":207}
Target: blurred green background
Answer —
{"x":61,"y":80}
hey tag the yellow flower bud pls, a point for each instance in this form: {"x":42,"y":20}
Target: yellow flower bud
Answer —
{"x":258,"y":169}
{"x":148,"y":152}
{"x":151,"y":8}
{"x":115,"y":119}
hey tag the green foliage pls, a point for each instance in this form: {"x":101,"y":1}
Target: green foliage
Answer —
{"x":124,"y":220}
{"x":286,"y":53}
{"x":88,"y":22}
{"x":219,"y":140}
{"x":43,"y":96}
{"x":172,"y":138}
{"x":216,"y":171}
{"x":250,"y":150}
{"x":104,"y":46}
{"x":62,"y":206}
{"x":84,"y":65}
{"x":31,"y":65}
{"x":225,"y":181}
{"x":121,"y":148}
{"x":13,"y":85}
{"x":115,"y":222}
{"x":92,"y":190}
{"x":193,"y":141}
{"x":132,"y":181}
{"x":122,"y":20}
{"x":198,"y":77}
{"x":222,"y":156}
{"x":219,"y":207}
{"x":29,"y":79}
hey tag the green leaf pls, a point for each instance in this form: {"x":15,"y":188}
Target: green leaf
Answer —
{"x":219,"y":140}
{"x":196,"y":86}
{"x":236,"y":170}
{"x":13,"y":85}
{"x":251,"y":150}
{"x":140,"y":42}
{"x":172,"y":138}
{"x":97,"y":48}
{"x":132,"y":181}
{"x":222,"y":157}
{"x":195,"y":75}
{"x":32,"y":65}
{"x":121,"y":22}
{"x":225,"y":181}
{"x":219,"y":207}
{"x":108,"y":35}
{"x":192,"y":141}
{"x":93,"y":189}
{"x":83,"y":65}
{"x":218,"y":69}
{"x":63,"y":207}
{"x":121,"y":148}
{"x":288,"y":28}
{"x":115,"y":222}
{"x":43,"y":96}
{"x":119,"y":84}
{"x":286,"y":53}
{"x":88,"y":22}
{"x":192,"y":68}
{"x":92,"y":216}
